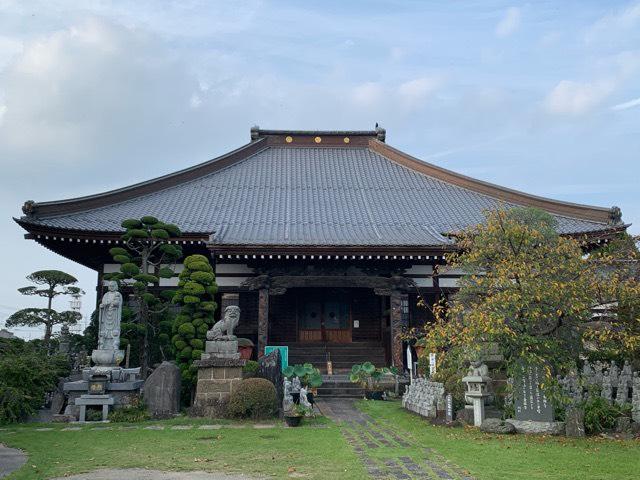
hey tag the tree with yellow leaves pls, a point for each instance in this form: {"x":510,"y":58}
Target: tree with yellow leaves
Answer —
{"x":532,"y":292}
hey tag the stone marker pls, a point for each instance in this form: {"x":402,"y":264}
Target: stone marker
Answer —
{"x":574,"y":422}
{"x":270,"y":368}
{"x":162,"y":390}
{"x":531,"y":403}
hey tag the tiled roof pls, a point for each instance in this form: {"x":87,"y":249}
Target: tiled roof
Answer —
{"x":285,"y":195}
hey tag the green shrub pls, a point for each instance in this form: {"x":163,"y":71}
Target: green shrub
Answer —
{"x":600,"y":415}
{"x":27,"y":373}
{"x":161,"y":234}
{"x":130,"y":269}
{"x":131,"y":223}
{"x":250,"y":368}
{"x":253,"y":398}
{"x":187,"y":330}
{"x":197,"y":343}
{"x":136,"y":412}
{"x":149,"y":220}
{"x":205,"y":278}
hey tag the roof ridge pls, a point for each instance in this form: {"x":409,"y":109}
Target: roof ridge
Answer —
{"x":568,"y":209}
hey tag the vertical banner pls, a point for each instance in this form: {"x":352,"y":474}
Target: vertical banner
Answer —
{"x":410,"y":362}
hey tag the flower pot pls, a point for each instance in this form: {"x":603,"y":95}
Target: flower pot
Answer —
{"x":245,"y":352}
{"x":373,"y":395}
{"x":293,"y":421}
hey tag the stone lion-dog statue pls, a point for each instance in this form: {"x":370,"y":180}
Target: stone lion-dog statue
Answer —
{"x":222,"y":330}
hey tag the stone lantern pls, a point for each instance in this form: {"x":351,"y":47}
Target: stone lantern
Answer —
{"x":477,"y":383}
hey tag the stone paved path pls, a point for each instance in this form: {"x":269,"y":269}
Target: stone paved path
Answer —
{"x":10,"y":459}
{"x":386,"y":452}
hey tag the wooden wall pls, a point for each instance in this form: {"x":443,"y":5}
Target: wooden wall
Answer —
{"x":366,"y":307}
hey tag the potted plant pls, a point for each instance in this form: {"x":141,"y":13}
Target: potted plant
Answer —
{"x":368,"y":377}
{"x":245,"y":347}
{"x":294,"y":416}
{"x":309,"y":377}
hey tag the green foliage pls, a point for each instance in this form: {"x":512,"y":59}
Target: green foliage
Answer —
{"x":165,"y":272}
{"x":145,"y":258}
{"x":250,"y":368}
{"x":134,"y":413}
{"x":197,"y":307}
{"x":122,"y":258}
{"x":54,"y":283}
{"x":309,"y":375}
{"x":253,"y":398}
{"x":26,"y":374}
{"x":367,"y":375}
{"x":526,"y":289}
{"x":130,"y":223}
{"x":187,"y":330}
{"x":130,"y":269}
{"x":161,"y":234}
{"x":601,"y":415}
{"x":149,"y":220}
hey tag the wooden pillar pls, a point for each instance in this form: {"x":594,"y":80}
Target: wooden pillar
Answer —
{"x":263,"y":320}
{"x":399,"y":302}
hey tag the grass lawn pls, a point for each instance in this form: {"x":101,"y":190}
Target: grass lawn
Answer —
{"x":495,"y":457}
{"x":315,"y":451}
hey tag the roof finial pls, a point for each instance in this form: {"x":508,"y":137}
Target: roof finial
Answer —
{"x":381,"y":133}
{"x":255,"y":132}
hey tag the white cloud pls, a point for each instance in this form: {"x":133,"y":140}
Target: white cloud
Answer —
{"x":574,"y":98}
{"x":509,"y":23}
{"x":625,"y":105}
{"x":368,"y":94}
{"x":417,"y":90}
{"x":614,"y":24}
{"x":70,"y":91}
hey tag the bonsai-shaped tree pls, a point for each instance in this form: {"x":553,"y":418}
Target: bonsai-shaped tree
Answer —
{"x":197,"y":288}
{"x":145,"y":258}
{"x":49,"y":284}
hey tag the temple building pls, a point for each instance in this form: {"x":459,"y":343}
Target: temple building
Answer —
{"x":328,"y":237}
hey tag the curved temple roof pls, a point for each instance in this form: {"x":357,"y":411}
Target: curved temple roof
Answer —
{"x":298,"y":188}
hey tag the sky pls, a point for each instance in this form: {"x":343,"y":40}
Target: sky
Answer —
{"x":538,"y":96}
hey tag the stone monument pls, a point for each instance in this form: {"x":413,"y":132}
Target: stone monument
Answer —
{"x":106,"y":383}
{"x":220,"y":366}
{"x":108,"y":355}
{"x":533,"y":411}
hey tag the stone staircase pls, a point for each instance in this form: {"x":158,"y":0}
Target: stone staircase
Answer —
{"x":339,"y":386}
{"x":343,"y":355}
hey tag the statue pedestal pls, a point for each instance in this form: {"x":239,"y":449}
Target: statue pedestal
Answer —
{"x":221,"y":349}
{"x":217,"y":378}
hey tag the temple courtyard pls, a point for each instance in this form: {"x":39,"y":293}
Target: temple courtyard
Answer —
{"x":360,"y":440}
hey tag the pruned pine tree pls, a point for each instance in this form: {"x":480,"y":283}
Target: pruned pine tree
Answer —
{"x":49,"y":284}
{"x":145,"y":257}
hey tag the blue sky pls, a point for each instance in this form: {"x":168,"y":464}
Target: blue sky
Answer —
{"x":541,"y":96}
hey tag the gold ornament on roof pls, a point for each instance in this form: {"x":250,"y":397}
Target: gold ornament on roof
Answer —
{"x":317,"y":139}
{"x":288,"y":139}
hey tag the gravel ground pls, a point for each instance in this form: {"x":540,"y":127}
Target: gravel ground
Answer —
{"x":10,"y":459}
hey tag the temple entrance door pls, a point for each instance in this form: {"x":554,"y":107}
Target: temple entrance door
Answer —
{"x":324,"y":316}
